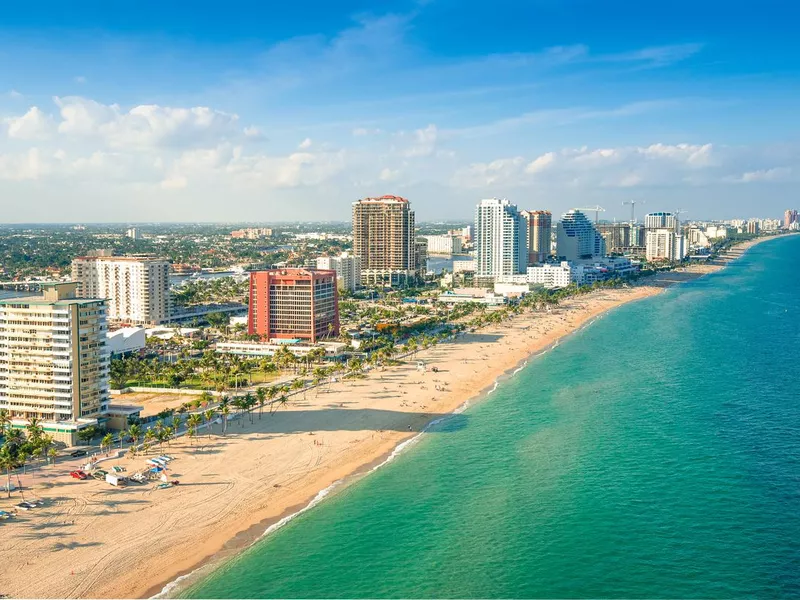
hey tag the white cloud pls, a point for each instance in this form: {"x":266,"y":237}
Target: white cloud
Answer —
{"x":389,"y":174}
{"x":24,"y":166}
{"x":421,"y":142}
{"x":33,"y":125}
{"x":626,"y":166}
{"x":79,"y":79}
{"x":145,"y":125}
{"x":305,"y":144}
{"x":252,"y":132}
{"x":363,"y":131}
{"x":541,"y":163}
{"x":174,"y":183}
{"x":770,"y":175}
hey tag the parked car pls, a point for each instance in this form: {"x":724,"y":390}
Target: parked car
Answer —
{"x":79,"y":474}
{"x":77,"y":453}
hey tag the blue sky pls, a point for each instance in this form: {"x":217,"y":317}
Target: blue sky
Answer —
{"x":206,"y":111}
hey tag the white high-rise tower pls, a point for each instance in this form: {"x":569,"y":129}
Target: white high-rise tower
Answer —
{"x":500,"y":241}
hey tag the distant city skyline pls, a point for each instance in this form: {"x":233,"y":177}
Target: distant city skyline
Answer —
{"x":281,"y":113}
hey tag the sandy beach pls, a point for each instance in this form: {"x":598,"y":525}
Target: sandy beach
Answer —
{"x":93,"y":540}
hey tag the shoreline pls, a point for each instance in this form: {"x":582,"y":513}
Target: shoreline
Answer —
{"x":305,"y":475}
{"x":205,"y":568}
{"x":185,"y":580}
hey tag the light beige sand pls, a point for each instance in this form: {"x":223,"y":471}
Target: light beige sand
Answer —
{"x":97,"y":541}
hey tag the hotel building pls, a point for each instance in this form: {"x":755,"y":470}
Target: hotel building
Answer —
{"x":347,"y":267}
{"x":384,"y":240}
{"x":137,"y":287}
{"x":538,"y":234}
{"x":53,"y":360}
{"x":661,"y":220}
{"x":665,"y":244}
{"x":577,"y":238}
{"x":501,"y":248}
{"x":297,"y":304}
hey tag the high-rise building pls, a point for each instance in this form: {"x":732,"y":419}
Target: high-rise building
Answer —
{"x":347,"y":267}
{"x":661,"y":220}
{"x":753,"y":227}
{"x":137,"y":287}
{"x":616,"y":235}
{"x":789,"y":218}
{"x":293,"y":304}
{"x":383,"y":238}
{"x":538,"y":231}
{"x":53,"y":360}
{"x":637,"y":235}
{"x":500,"y":242}
{"x":133,"y":233}
{"x":577,"y":238}
{"x":665,"y":244}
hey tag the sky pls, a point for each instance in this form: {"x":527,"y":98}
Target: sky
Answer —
{"x":174,"y":111}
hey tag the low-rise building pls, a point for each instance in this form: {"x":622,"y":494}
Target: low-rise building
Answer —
{"x":443,"y":244}
{"x":483,"y":297}
{"x":126,"y":340}
{"x":265,"y":349}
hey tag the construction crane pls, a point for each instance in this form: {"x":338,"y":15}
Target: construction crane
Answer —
{"x":678,"y":214}
{"x":597,"y":210}
{"x":633,"y":204}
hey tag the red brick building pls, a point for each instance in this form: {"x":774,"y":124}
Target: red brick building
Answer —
{"x":293,"y":303}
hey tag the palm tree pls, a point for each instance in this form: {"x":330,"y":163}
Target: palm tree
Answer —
{"x":225,"y":411}
{"x":249,"y":402}
{"x":5,"y":420}
{"x":149,"y":437}
{"x":135,"y":431}
{"x":106,"y":442}
{"x":193,"y":422}
{"x":52,"y":453}
{"x":176,"y":423}
{"x":34,"y":429}
{"x":7,"y":462}
{"x":208,"y":416}
{"x":122,"y":435}
{"x":261,"y":398}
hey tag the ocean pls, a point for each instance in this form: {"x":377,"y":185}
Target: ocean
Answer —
{"x":654,"y":453}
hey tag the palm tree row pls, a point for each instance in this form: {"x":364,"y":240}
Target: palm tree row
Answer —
{"x":19,"y":448}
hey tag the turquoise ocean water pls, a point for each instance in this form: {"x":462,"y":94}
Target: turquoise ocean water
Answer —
{"x":655,"y":453}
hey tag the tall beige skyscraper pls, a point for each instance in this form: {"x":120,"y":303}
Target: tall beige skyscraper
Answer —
{"x":53,"y":360}
{"x":538,"y":234}
{"x":383,"y":238}
{"x":137,"y":287}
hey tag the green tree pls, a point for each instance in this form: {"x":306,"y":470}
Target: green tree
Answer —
{"x":5,"y":421}
{"x":225,"y":411}
{"x":7,"y":462}
{"x":87,"y":434}
{"x":208,"y":416}
{"x":261,"y":398}
{"x":106,"y":442}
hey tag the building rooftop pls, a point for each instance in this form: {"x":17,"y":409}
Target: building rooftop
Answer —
{"x":42,"y":301}
{"x":387,"y":198}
